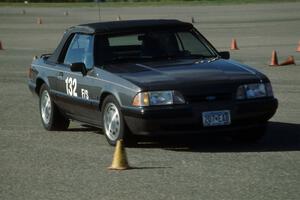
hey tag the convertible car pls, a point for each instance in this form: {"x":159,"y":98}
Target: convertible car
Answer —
{"x":149,"y":77}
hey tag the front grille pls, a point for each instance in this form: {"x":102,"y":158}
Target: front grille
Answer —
{"x":208,"y":98}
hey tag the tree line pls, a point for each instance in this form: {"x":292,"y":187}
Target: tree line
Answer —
{"x":74,"y":1}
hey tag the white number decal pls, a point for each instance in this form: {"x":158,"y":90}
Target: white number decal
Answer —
{"x":74,"y":87}
{"x":84,"y":94}
{"x":71,"y":86}
{"x":69,"y":81}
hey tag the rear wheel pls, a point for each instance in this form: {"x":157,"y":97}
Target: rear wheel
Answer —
{"x":50,"y":115}
{"x":114,"y":126}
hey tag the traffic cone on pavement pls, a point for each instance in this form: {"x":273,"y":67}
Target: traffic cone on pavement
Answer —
{"x":1,"y":47}
{"x":234,"y":45}
{"x":39,"y":20}
{"x":192,"y":20}
{"x":289,"y":61}
{"x":274,"y":59}
{"x":120,"y":158}
{"x":298,"y":49}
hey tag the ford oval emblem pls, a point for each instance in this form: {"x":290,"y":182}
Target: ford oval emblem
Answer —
{"x":210,"y":98}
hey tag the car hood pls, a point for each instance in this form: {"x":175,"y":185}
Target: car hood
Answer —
{"x":179,"y":74}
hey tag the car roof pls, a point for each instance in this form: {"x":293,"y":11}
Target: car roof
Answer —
{"x":118,"y":27}
{"x":128,"y":25}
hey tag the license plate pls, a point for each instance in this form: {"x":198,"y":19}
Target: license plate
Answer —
{"x":216,"y":118}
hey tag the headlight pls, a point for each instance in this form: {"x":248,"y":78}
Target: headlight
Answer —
{"x":269,"y":89}
{"x":254,"y":90}
{"x":154,"y":98}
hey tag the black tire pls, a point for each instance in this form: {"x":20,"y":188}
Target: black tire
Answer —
{"x":252,"y":135}
{"x":112,"y":136}
{"x":54,"y":119}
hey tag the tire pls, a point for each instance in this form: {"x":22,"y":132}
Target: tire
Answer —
{"x":252,"y":135}
{"x":114,"y":127}
{"x":51,"y":118}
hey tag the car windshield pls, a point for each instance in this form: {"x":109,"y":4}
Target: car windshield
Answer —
{"x":151,"y":45}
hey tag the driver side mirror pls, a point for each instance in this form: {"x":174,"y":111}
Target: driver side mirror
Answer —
{"x":225,"y":54}
{"x":78,"y":67}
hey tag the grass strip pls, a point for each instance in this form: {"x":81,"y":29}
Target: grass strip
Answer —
{"x":140,"y":4}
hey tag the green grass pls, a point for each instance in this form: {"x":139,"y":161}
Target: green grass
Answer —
{"x":137,"y":4}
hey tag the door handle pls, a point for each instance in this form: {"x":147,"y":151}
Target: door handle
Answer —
{"x":60,"y":75}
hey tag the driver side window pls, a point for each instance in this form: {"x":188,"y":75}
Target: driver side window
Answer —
{"x":192,"y":44}
{"x":80,"y":50}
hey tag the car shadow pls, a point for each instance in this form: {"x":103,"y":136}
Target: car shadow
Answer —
{"x":85,"y":128}
{"x":279,"y":137}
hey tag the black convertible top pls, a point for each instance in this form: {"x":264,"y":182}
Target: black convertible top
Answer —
{"x":119,"y":26}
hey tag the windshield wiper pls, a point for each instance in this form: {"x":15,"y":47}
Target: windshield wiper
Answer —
{"x":209,"y":59}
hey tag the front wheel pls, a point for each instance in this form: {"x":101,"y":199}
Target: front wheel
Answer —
{"x":114,"y":126}
{"x":112,"y":119}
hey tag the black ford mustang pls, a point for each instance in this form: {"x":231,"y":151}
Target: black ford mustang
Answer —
{"x":149,"y":77}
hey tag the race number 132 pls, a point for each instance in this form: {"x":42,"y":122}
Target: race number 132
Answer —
{"x":71,"y":86}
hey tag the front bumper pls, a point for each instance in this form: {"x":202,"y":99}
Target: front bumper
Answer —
{"x":32,"y":87}
{"x":185,"y":119}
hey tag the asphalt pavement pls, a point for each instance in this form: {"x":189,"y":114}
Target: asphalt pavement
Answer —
{"x":37,"y":164}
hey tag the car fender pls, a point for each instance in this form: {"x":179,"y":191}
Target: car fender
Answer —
{"x":121,"y":89}
{"x":109,"y":90}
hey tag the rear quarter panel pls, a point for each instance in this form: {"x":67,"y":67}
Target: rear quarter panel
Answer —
{"x":42,"y":73}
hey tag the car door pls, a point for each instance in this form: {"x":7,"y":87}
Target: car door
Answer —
{"x":79,"y":92}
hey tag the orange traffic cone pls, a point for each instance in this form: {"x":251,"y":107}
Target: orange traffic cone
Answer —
{"x":233,"y":45}
{"x":39,"y":20}
{"x":298,"y":49}
{"x":120,"y":158}
{"x":274,"y":59}
{"x":1,"y":47}
{"x":289,"y":61}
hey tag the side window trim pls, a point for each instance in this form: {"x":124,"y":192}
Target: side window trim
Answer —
{"x":180,"y":41}
{"x":64,"y":50}
{"x":205,"y":42}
